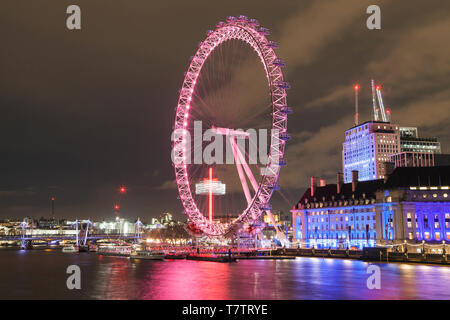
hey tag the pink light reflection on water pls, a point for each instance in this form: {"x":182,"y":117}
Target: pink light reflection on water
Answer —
{"x":196,"y":280}
{"x":38,"y":274}
{"x":305,"y":278}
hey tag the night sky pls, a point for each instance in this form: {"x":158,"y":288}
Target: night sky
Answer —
{"x":83,"y":112}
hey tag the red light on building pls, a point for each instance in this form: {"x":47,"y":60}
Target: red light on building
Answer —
{"x":356,"y":87}
{"x":123,"y":189}
{"x":116,"y":207}
{"x":378,"y":87}
{"x":53,"y":198}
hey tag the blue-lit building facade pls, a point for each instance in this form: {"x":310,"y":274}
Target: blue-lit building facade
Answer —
{"x":341,"y":215}
{"x":411,"y":205}
{"x":414,"y":206}
{"x":367,"y":147}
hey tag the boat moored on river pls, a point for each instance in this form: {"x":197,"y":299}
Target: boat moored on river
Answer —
{"x":70,"y":249}
{"x":115,"y":250}
{"x":148,"y":255}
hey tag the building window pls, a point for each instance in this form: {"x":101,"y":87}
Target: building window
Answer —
{"x":438,"y":236}
{"x":409,"y":220}
{"x":410,"y":235}
{"x":427,"y":236}
{"x":448,"y":235}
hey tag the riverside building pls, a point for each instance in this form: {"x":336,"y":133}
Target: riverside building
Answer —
{"x":409,"y":205}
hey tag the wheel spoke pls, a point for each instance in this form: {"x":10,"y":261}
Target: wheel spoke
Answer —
{"x":240,"y":171}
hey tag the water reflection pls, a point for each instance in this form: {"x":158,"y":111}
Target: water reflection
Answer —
{"x":41,"y":275}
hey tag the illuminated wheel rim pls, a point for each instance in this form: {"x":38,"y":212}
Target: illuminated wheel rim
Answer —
{"x":248,"y":31}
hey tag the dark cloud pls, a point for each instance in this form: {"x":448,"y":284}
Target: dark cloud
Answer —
{"x":85,"y":111}
{"x":409,"y":56}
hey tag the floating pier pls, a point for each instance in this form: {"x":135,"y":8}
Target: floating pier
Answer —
{"x":212,"y":258}
{"x":244,"y":257}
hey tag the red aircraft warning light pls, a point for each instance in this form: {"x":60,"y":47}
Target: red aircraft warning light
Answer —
{"x":116,"y":207}
{"x":356,"y":87}
{"x":122,"y":189}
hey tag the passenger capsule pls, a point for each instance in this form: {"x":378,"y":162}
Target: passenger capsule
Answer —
{"x":272,"y":44}
{"x":266,"y":207}
{"x":285,"y":136}
{"x":286,"y":110}
{"x":253,"y":22}
{"x":275,"y":187}
{"x":283,"y":85}
{"x":279,"y":63}
{"x":263,"y":31}
{"x":242,"y":18}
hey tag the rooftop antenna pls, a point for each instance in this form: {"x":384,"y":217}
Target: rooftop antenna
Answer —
{"x":53,"y":206}
{"x":374,"y":101}
{"x":356,"y":88}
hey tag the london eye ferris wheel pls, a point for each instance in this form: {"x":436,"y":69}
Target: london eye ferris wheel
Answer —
{"x":234,"y":84}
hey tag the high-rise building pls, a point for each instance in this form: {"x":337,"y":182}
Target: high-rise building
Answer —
{"x":414,"y":150}
{"x":373,"y":147}
{"x":411,"y":142}
{"x":367,"y":147}
{"x":406,"y":132}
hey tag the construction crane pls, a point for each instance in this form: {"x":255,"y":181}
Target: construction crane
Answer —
{"x":380,"y":103}
{"x":374,"y":101}
{"x":376,"y":94}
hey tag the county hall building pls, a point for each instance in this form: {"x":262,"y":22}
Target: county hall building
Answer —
{"x":411,"y":204}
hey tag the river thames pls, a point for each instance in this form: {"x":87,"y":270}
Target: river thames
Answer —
{"x":41,"y":274}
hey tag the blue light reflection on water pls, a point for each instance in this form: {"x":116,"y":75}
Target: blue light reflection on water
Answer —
{"x":41,"y":275}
